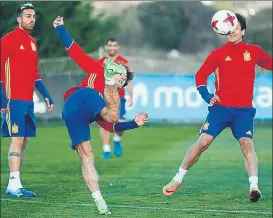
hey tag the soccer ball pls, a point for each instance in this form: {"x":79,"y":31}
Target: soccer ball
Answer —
{"x":224,"y":22}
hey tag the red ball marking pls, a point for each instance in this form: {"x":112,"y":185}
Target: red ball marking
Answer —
{"x":214,"y":23}
{"x":229,"y":19}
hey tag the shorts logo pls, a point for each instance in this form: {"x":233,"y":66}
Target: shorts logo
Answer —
{"x":14,"y":128}
{"x":249,"y":132}
{"x":206,"y":126}
{"x":247,"y":56}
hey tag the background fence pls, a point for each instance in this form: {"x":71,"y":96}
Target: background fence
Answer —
{"x":171,"y":97}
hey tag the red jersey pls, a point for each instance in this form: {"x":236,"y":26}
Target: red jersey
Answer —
{"x":19,"y":65}
{"x":95,"y":72}
{"x":117,"y":59}
{"x":234,"y":69}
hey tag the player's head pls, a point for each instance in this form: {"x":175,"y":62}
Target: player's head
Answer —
{"x":26,"y":16}
{"x":240,"y":31}
{"x":111,"y":47}
{"x":122,"y":80}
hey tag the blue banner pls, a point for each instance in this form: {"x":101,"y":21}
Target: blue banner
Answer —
{"x":175,"y":98}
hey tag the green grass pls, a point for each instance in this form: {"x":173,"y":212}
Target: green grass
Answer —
{"x":132,"y":184}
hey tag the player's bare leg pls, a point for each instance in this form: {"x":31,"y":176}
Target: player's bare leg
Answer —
{"x":105,"y":138}
{"x":251,"y":165}
{"x":23,"y":148}
{"x":192,"y":155}
{"x":15,"y":157}
{"x":90,"y":175}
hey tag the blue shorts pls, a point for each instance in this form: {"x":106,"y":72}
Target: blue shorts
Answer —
{"x":240,"y":120}
{"x":122,"y":110}
{"x":79,"y":110}
{"x":20,"y":120}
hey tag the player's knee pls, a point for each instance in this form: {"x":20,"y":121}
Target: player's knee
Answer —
{"x":25,"y":141}
{"x":17,"y":142}
{"x":204,"y":142}
{"x":247,"y":145}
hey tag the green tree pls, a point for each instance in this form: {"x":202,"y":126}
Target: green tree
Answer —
{"x":178,"y":25}
{"x":89,"y":30}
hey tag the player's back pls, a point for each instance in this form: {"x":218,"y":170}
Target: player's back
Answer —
{"x":19,"y":64}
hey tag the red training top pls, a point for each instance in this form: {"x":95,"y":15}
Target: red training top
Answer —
{"x":121,"y":60}
{"x":234,"y":69}
{"x":19,"y":65}
{"x":95,"y":72}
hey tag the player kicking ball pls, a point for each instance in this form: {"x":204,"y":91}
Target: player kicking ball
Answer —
{"x":85,"y":104}
{"x":234,"y":68}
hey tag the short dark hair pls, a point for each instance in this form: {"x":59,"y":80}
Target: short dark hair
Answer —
{"x":242,"y":20}
{"x":23,"y":7}
{"x":110,"y":40}
{"x":130,"y":74}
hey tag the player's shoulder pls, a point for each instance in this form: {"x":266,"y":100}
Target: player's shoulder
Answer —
{"x":253,"y":47}
{"x":122,"y":59}
{"x":9,"y":36}
{"x":101,"y":60}
{"x":32,"y":38}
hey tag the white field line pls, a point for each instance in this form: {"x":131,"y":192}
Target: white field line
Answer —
{"x":152,"y":207}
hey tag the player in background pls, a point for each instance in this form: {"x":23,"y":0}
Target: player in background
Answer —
{"x":85,"y":104}
{"x":112,"y":47}
{"x":19,"y":78}
{"x":234,"y":67}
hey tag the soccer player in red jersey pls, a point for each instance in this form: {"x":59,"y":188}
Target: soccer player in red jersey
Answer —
{"x":94,"y":100}
{"x":19,"y":78}
{"x":231,"y":106}
{"x":112,"y":47}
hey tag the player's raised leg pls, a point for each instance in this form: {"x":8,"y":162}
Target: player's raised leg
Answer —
{"x":192,"y":155}
{"x":90,"y":175}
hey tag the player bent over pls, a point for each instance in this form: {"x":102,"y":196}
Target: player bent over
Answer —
{"x":85,"y":104}
{"x":234,"y":68}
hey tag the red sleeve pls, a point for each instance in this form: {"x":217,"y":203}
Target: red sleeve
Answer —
{"x":37,"y":76}
{"x":4,"y":55}
{"x":208,"y":67}
{"x":107,"y":126}
{"x":264,"y":60}
{"x":87,"y":63}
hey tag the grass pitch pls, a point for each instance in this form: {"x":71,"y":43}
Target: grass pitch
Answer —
{"x":217,"y":186}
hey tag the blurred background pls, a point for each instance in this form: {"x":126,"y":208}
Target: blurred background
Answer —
{"x":166,"y":43}
{"x":166,"y":40}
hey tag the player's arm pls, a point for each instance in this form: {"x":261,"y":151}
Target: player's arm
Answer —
{"x":4,"y":56}
{"x":264,"y":60}
{"x":139,"y":120}
{"x":85,"y":62}
{"x":209,"y":66}
{"x":40,"y":86}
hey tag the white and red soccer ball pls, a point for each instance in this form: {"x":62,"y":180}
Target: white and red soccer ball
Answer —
{"x":224,"y":22}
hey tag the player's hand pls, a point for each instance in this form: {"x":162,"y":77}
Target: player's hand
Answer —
{"x":4,"y":110}
{"x":141,"y":119}
{"x":49,"y":106}
{"x":214,"y":99}
{"x":58,"y":21}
